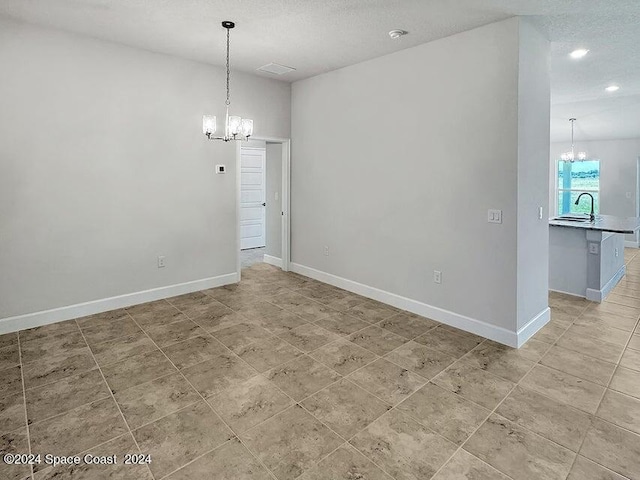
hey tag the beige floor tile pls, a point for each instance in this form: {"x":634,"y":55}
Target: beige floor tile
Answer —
{"x":63,"y":343}
{"x":309,"y":337}
{"x":605,"y":318}
{"x":154,"y":313}
{"x":268,"y":353}
{"x":342,"y":324}
{"x":474,"y":384}
{"x":150,"y":401}
{"x":602,"y":332}
{"x":518,"y":452}
{"x":231,"y":461}
{"x":376,"y":339}
{"x":192,"y":304}
{"x":464,"y":466}
{"x":291,"y":443}
{"x":403,"y":447}
{"x":51,"y":369}
{"x":344,"y":302}
{"x":444,"y":412}
{"x":239,"y":336}
{"x":15,"y":442}
{"x":346,"y":463}
{"x":8,"y":339}
{"x":585,"y":469}
{"x":408,"y":325}
{"x":11,"y":412}
{"x":631,"y":359}
{"x":66,"y":394}
{"x":48,"y":330}
{"x":579,"y":365}
{"x":343,"y":356}
{"x":564,"y":388}
{"x":591,"y":346}
{"x":623,"y":300}
{"x":422,"y":360}
{"x":213,"y":376}
{"x":175,"y":440}
{"x":219,"y":322}
{"x":100,"y":331}
{"x":135,"y":370}
{"x":387,"y":381}
{"x":120,"y":447}
{"x":193,"y":351}
{"x":281,"y":322}
{"x":174,"y":332}
{"x":9,"y":356}
{"x":259,"y":310}
{"x":246,"y":404}
{"x":547,"y":417}
{"x":613,"y":447}
{"x":626,"y":381}
{"x":115,"y":350}
{"x":372,"y":312}
{"x":101,"y":319}
{"x":449,"y":342}
{"x":345,"y":408}
{"x":549,"y":333}
{"x":302,"y":377}
{"x":306,"y":308}
{"x":503,"y":361}
{"x":10,"y":381}
{"x":616,"y":309}
{"x":621,"y":410}
{"x":634,"y":342}
{"x":79,"y":429}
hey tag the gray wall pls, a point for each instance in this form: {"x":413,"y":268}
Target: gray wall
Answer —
{"x":103,"y":167}
{"x":274,"y":206}
{"x":396,"y":160}
{"x":534,"y":94}
{"x":618,"y":175}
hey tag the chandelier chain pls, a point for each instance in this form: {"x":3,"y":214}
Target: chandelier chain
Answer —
{"x":228,"y":102}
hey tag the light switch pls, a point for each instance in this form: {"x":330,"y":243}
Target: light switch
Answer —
{"x":221,"y":169}
{"x":494,"y":216}
{"x":593,"y":248}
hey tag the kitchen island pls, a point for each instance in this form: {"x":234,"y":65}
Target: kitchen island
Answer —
{"x":586,"y":258}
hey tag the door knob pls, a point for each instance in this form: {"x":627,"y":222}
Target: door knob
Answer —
{"x":264,"y":204}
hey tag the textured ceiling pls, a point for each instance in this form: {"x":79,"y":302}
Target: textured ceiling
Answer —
{"x":316,"y":36}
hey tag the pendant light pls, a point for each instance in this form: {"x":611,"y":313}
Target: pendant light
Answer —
{"x":571,"y":155}
{"x":235,"y":128}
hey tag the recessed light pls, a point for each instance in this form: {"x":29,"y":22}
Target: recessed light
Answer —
{"x":579,"y":53}
{"x":397,"y":33}
{"x":612,"y":88}
{"x":275,"y":68}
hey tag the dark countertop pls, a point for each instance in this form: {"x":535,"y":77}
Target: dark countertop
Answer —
{"x":602,"y":223}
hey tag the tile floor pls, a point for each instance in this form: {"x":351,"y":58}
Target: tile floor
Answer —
{"x":282,"y":377}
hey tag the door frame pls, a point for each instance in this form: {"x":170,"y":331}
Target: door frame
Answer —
{"x":285,"y":198}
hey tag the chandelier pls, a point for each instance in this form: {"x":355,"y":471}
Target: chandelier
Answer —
{"x":571,"y":155}
{"x":235,"y":128}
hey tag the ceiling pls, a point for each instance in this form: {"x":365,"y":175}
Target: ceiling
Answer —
{"x":316,"y":36}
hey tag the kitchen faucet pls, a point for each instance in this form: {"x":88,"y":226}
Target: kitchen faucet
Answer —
{"x":592,"y":216}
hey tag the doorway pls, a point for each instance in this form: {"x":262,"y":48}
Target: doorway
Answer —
{"x":263,"y":173}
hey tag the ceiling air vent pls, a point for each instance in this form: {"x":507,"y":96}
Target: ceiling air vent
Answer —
{"x":275,"y":69}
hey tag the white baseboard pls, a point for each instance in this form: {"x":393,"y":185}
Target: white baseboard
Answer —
{"x":630,"y":244}
{"x":271,"y":260}
{"x":45,"y":317}
{"x":599,"y":295}
{"x":493,"y":332}
{"x":533,"y":325}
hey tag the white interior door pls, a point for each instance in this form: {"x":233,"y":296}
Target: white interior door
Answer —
{"x":252,"y":197}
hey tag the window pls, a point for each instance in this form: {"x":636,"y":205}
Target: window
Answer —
{"x":575,"y":178}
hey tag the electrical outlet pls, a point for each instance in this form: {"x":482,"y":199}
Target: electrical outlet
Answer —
{"x":539,"y":213}
{"x":593,"y":248}
{"x":276,"y":196}
{"x":326,"y":251}
{"x":161,"y":263}
{"x":437,"y":276}
{"x":616,"y":251}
